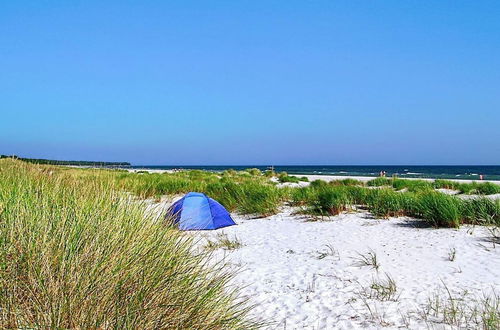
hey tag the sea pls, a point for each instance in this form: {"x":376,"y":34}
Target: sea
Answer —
{"x":464,"y":172}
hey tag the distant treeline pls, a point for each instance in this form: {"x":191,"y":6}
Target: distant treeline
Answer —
{"x":66,"y":162}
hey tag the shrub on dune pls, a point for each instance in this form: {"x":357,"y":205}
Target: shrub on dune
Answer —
{"x":445,"y":184}
{"x":330,"y":201}
{"x":155,"y":185}
{"x":262,"y":200}
{"x":388,"y":203}
{"x":301,"y":196}
{"x":229,"y":172}
{"x":269,"y":173}
{"x":488,"y":188}
{"x":411,"y":185}
{"x":467,"y":188}
{"x":358,"y":195}
{"x":254,"y":171}
{"x":481,"y":211}
{"x":316,"y":184}
{"x":284,"y":177}
{"x":225,"y":192}
{"x":346,"y":182}
{"x":399,"y":184}
{"x":381,"y":181}
{"x":439,"y":209}
{"x":246,"y":197}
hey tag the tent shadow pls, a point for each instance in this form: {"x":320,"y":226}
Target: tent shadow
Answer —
{"x":413,"y":223}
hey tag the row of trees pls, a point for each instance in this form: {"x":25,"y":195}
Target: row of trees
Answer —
{"x":66,"y":162}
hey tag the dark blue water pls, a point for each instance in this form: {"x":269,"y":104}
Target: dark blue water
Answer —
{"x":442,"y":172}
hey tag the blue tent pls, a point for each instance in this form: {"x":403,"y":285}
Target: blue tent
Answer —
{"x":196,"y":211}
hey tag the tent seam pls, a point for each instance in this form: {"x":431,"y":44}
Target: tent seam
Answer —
{"x":210,"y":208}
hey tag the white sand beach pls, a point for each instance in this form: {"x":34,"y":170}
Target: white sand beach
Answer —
{"x":308,"y":275}
{"x":317,"y":273}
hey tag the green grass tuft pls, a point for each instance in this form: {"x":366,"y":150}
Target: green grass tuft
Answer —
{"x":284,"y":177}
{"x":380,"y":181}
{"x":388,"y":203}
{"x":482,"y":211}
{"x":412,"y":185}
{"x":439,"y":209}
{"x":329,"y":200}
{"x":223,"y":242}
{"x":346,"y":182}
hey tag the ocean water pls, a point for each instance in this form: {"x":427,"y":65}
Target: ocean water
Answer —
{"x":465,"y":172}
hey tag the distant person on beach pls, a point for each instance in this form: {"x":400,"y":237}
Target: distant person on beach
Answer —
{"x":480,"y":177}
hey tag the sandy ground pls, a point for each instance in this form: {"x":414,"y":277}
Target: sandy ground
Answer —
{"x":306,"y":275}
{"x":303,"y":274}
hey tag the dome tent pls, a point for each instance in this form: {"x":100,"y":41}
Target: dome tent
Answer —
{"x":196,"y":211}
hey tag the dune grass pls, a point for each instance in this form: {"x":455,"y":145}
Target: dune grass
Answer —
{"x":346,"y":182}
{"x":463,"y":310}
{"x":438,"y":209}
{"x":254,"y":171}
{"x":411,"y":185}
{"x":473,"y":188}
{"x":380,"y":181}
{"x":222,"y":241}
{"x":388,"y":203}
{"x":253,"y":193}
{"x":368,"y":259}
{"x":481,"y":211}
{"x":246,"y":192}
{"x":284,"y":177}
{"x":330,"y":201}
{"x":486,"y":188}
{"x":75,"y":253}
{"x":248,"y":197}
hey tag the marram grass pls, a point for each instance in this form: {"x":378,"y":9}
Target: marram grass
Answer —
{"x":413,"y":185}
{"x":242,"y":192}
{"x":250,"y":192}
{"x":78,"y":254}
{"x":438,"y":209}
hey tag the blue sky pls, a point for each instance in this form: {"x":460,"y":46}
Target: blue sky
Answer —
{"x":251,"y":82}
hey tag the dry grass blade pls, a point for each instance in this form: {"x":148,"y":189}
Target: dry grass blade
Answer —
{"x":368,"y":259}
{"x":222,"y":241}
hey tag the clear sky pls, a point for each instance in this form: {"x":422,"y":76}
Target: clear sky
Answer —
{"x":251,"y":82}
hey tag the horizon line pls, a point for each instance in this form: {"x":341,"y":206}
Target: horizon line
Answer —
{"x":261,"y":165}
